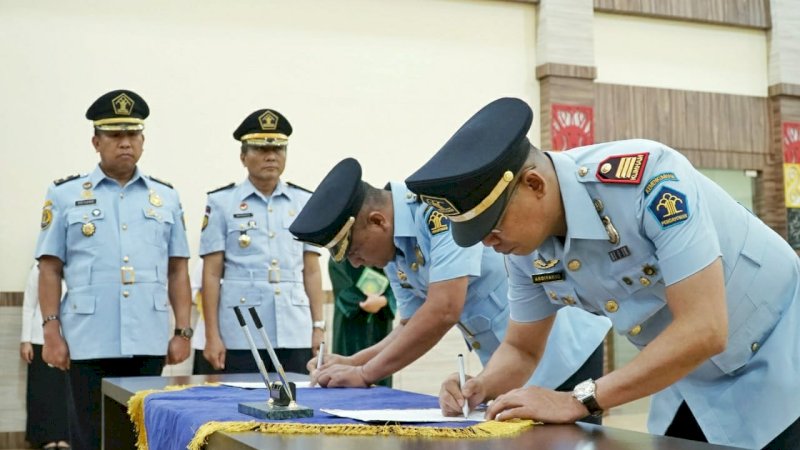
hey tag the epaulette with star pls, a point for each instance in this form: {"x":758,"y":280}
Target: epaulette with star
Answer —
{"x":61,"y":181}
{"x":626,"y":169}
{"x":160,"y":181}
{"x":222,"y":188}
{"x":299,"y":187}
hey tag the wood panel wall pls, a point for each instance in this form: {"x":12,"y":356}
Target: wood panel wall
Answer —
{"x":742,"y":13}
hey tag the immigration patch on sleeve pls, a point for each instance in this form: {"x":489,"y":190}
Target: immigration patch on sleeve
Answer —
{"x":669,"y":207}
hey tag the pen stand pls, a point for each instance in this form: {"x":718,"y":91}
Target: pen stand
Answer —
{"x":278,"y":407}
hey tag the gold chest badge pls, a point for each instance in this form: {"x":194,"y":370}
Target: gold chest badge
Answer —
{"x":155,"y":199}
{"x":88,"y":229}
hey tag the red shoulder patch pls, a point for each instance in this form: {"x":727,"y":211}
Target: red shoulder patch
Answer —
{"x":627,"y":169}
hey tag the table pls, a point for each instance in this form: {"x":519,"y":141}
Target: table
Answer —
{"x":118,"y":430}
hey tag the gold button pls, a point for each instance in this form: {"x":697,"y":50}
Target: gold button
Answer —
{"x":612,"y":306}
{"x":74,"y":306}
{"x":271,"y":234}
{"x":125,"y":259}
{"x":754,"y":347}
{"x":574,"y":265}
{"x":568,"y":300}
{"x":274,"y":262}
{"x":476,"y":345}
{"x":605,"y":168}
{"x":644,"y":281}
{"x":553,"y":295}
{"x":649,"y":270}
{"x":121,"y":195}
{"x":635,"y":330}
{"x":269,"y":209}
{"x":414,"y":266}
{"x":627,"y":281}
{"x":598,"y":204}
{"x":124,"y":227}
{"x":125,"y":293}
{"x":583,"y":171}
{"x":242,"y":300}
{"x":277,"y":291}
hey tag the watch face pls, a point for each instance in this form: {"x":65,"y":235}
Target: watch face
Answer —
{"x":584,"y":389}
{"x":185,"y":332}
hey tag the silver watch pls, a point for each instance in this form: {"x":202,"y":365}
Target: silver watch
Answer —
{"x":584,"y":392}
{"x":319,"y":324}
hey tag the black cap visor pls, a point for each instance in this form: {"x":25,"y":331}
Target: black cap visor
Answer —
{"x":469,"y":233}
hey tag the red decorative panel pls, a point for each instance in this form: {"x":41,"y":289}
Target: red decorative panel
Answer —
{"x":571,"y":126}
{"x":791,"y":142}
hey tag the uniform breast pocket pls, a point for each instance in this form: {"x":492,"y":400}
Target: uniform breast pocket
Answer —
{"x":561,"y":293}
{"x":298,"y":295}
{"x":80,"y":304}
{"x":157,"y":226}
{"x":635,"y":276}
{"x":87,"y":229}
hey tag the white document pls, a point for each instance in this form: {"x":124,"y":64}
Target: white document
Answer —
{"x":259,"y":384}
{"x":403,"y":415}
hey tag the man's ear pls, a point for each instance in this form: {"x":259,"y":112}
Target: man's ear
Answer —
{"x":378,"y":219}
{"x":534,"y":181}
{"x":95,"y":142}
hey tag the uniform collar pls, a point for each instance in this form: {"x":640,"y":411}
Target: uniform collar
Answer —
{"x":97,"y":176}
{"x":246,"y":189}
{"x":403,"y":213}
{"x":583,"y":222}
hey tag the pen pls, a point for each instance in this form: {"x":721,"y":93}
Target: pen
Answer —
{"x":461,"y":380}
{"x":321,"y":354}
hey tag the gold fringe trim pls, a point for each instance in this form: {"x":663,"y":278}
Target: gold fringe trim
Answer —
{"x":136,"y":410}
{"x":490,"y":429}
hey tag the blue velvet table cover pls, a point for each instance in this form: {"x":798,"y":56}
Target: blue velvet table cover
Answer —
{"x":172,"y":418}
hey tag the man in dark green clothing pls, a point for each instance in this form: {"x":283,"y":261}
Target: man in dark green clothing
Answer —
{"x":359,"y":320}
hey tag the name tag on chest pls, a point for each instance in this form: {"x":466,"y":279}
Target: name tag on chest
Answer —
{"x":539,"y":278}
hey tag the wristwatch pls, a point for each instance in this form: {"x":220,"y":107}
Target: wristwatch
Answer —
{"x":319,"y":324}
{"x":185,"y":333}
{"x":584,"y":392}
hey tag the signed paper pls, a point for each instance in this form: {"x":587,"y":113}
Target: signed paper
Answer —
{"x":403,"y":415}
{"x":259,"y":384}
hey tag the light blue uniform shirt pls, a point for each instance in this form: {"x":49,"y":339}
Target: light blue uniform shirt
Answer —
{"x":427,"y":253}
{"x":115,"y":242}
{"x":672,"y":224}
{"x":267,"y":271}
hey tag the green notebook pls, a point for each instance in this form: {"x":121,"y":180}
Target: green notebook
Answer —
{"x":372,"y":282}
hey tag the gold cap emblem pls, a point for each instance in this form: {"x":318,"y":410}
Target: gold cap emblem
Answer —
{"x":122,"y":104}
{"x":268,"y":120}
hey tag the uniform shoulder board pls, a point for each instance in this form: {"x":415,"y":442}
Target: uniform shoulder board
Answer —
{"x":222,"y":188}
{"x":627,"y":169}
{"x":160,"y":181}
{"x":61,"y":181}
{"x":436,"y":221}
{"x":299,"y":187}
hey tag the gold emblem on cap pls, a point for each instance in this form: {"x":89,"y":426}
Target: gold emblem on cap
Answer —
{"x":605,"y":168}
{"x":155,"y":200}
{"x":244,"y":240}
{"x":122,"y":104}
{"x":543,"y":265}
{"x":268,"y":120}
{"x":88,"y":229}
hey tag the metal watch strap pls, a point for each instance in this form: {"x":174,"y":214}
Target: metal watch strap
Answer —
{"x":49,"y":318}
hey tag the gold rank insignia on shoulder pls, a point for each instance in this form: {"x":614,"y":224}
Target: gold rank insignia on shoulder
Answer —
{"x":544,"y":265}
{"x":437,"y":222}
{"x":626,"y":169}
{"x":47,"y":214}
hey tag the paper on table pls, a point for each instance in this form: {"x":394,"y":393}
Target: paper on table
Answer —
{"x":259,"y":384}
{"x":403,"y":415}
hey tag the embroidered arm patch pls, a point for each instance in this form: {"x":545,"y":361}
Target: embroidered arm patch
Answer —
{"x":437,"y":222}
{"x":669,"y":207}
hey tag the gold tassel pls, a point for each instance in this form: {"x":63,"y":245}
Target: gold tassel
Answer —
{"x":490,"y":429}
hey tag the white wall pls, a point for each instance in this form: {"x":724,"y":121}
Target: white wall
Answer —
{"x":680,"y":55}
{"x":385,"y":81}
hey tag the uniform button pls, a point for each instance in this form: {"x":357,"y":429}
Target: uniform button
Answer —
{"x":574,"y":265}
{"x":644,"y":281}
{"x":612,"y":306}
{"x":568,"y":300}
{"x":274,"y":262}
{"x":242,"y":300}
{"x":476,"y":345}
{"x":74,"y":306}
{"x":121,"y":195}
{"x":553,"y":295}
{"x":414,"y":266}
{"x":269,"y":209}
{"x":605,"y":168}
{"x":124,"y":226}
{"x":125,"y":259}
{"x":598,"y":204}
{"x":277,"y":291}
{"x":125,"y":294}
{"x":627,"y":281}
{"x":409,"y":195}
{"x":583,"y":171}
{"x":754,"y":347}
{"x":635,"y":330}
{"x":271,"y":234}
{"x":649,"y":270}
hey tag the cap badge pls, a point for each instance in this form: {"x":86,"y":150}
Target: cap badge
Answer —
{"x":268,"y":120}
{"x":122,"y":104}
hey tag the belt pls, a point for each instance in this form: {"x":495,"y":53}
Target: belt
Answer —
{"x":124,"y":275}
{"x":272,"y":275}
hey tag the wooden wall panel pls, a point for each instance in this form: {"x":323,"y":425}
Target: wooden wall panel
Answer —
{"x":10,"y":298}
{"x":743,"y":13}
{"x":714,"y":130}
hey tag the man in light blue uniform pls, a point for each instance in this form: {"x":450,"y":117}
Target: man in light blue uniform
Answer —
{"x":630,"y":230}
{"x":251,"y":260}
{"x":437,"y":284}
{"x":117,"y":238}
